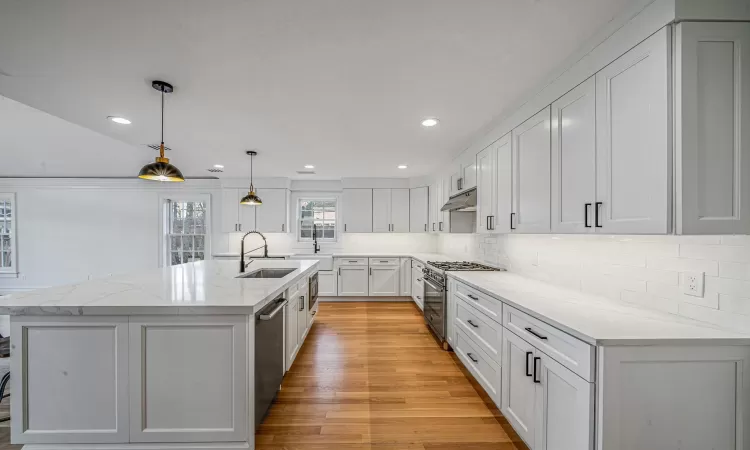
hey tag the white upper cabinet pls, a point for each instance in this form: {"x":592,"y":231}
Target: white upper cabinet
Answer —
{"x":236,"y":217}
{"x":435,"y":195}
{"x":271,"y":216}
{"x":357,"y":214}
{"x":633,"y":138}
{"x":464,"y":177}
{"x":400,"y":210}
{"x":486,"y":187}
{"x":531,"y":174}
{"x":712,"y":139}
{"x":574,"y":160}
{"x":501,"y":221}
{"x":444,"y":217}
{"x":418,"y":210}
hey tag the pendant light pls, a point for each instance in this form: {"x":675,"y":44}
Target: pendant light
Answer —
{"x":251,"y":198}
{"x":161,"y":169}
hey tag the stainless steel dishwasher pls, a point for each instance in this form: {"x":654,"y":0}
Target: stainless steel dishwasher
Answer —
{"x":269,"y":355}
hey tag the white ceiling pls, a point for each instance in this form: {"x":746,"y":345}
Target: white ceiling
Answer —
{"x":341,"y":84}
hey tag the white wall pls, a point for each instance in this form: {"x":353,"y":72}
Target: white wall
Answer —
{"x":646,"y":270}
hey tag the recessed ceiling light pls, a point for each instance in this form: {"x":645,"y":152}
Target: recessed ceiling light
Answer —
{"x":431,"y":122}
{"x":218,"y":166}
{"x":309,"y":166}
{"x":402,"y":166}
{"x":120,"y":120}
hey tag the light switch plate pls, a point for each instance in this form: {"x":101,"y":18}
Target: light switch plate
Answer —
{"x":692,"y":283}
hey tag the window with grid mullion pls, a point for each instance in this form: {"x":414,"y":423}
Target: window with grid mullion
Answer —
{"x":187,"y":232}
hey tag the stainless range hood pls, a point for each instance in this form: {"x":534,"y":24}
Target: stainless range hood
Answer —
{"x":465,"y":201}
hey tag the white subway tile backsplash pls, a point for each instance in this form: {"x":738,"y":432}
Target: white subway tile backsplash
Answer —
{"x":739,"y":288}
{"x":684,"y":265}
{"x":668,"y":277}
{"x":716,"y":252}
{"x":724,"y":319}
{"x":735,"y":270}
{"x":648,"y":300}
{"x":736,"y":240}
{"x":738,"y":305}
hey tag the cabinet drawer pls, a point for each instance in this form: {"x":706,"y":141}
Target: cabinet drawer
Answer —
{"x":481,"y":366}
{"x":417,"y":265}
{"x":485,"y":304}
{"x":569,"y":351}
{"x":485,"y":333}
{"x":385,"y":261}
{"x":351,"y":261}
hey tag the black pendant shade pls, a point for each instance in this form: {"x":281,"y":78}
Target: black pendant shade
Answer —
{"x":251,"y":198}
{"x":161,"y":169}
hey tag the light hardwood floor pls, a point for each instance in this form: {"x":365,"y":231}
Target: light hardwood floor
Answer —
{"x":370,"y":376}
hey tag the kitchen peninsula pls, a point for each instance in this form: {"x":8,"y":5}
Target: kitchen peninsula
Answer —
{"x":158,"y":359}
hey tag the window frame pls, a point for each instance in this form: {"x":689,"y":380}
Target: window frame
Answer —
{"x":164,"y":216}
{"x":12,"y":271}
{"x":298,"y":216}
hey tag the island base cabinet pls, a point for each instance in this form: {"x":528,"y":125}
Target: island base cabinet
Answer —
{"x":662,"y":397}
{"x":292,"y":342}
{"x":188,"y":378}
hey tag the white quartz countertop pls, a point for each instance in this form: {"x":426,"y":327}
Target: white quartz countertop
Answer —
{"x":424,"y":257}
{"x":206,"y":287}
{"x":593,"y":319}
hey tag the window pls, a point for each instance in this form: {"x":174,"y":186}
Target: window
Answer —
{"x":7,"y":234}
{"x":187,"y":231}
{"x":322,"y":214}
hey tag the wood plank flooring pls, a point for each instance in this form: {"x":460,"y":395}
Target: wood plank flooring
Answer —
{"x":370,"y":376}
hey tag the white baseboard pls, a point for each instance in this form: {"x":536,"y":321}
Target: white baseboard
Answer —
{"x":144,"y":446}
{"x":364,"y":299}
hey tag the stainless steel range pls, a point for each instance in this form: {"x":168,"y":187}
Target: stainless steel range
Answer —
{"x":435,"y":292}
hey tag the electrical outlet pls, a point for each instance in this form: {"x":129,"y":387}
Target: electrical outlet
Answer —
{"x":692,"y":283}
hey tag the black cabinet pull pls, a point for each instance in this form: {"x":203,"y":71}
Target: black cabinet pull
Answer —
{"x":536,"y":380}
{"x":433,"y":226}
{"x":425,"y":227}
{"x":492,"y":222}
{"x":472,"y":323}
{"x":472,"y":357}
{"x":528,"y":371}
{"x":487,"y":223}
{"x":544,"y":338}
{"x":596,"y":214}
{"x":344,"y":227}
{"x":511,"y":221}
{"x":440,"y":226}
{"x":586,"y":207}
{"x":472,"y":297}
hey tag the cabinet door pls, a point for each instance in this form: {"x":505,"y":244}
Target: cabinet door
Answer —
{"x":405,"y":276}
{"x":302,"y":323}
{"x":384,"y":281}
{"x":444,"y":217}
{"x":400,"y":210}
{"x":518,"y":390}
{"x":417,"y":287}
{"x":469,"y":173}
{"x":531,"y":180}
{"x":574,"y":160}
{"x":291,"y":344}
{"x":486,"y":188}
{"x":503,"y":186}
{"x":230,"y":204}
{"x":271,"y":216}
{"x":564,"y":408}
{"x":327,"y":283}
{"x":246,"y":214}
{"x":633,"y":137}
{"x":173,"y":399}
{"x":434,"y":208}
{"x":712,"y":116}
{"x":353,"y":281}
{"x":357,"y":212}
{"x":418,"y":209}
{"x":455,"y":182}
{"x":381,"y":210}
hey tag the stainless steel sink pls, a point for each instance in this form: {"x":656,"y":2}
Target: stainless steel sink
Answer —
{"x":267,"y":273}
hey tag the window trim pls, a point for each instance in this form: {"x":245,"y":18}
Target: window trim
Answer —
{"x":12,"y":271}
{"x":164,"y":226}
{"x":298,"y":216}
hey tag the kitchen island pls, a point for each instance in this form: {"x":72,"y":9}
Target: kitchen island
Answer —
{"x":152,"y":360}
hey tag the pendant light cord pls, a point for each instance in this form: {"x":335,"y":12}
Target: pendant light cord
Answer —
{"x":251,"y":173}
{"x":161,"y":147}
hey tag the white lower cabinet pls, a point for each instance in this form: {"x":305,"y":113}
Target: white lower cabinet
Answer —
{"x":327,"y":283}
{"x":485,"y":370}
{"x":517,"y":402}
{"x":292,"y":342}
{"x":417,"y":287}
{"x":384,"y":280}
{"x":353,"y":281}
{"x":303,"y":325}
{"x":405,"y":277}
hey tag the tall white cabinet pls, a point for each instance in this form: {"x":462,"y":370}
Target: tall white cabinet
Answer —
{"x":530,"y":144}
{"x":712,"y":139}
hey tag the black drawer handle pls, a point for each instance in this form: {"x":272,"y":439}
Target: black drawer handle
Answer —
{"x":586,"y":207}
{"x":544,"y":338}
{"x":472,"y":358}
{"x":472,"y":323}
{"x":597,"y":206}
{"x":528,"y":371}
{"x":472,"y":297}
{"x":536,"y":380}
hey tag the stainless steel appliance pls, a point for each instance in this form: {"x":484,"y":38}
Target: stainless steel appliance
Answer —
{"x":269,"y":355}
{"x":313,"y":297}
{"x":435,"y":292}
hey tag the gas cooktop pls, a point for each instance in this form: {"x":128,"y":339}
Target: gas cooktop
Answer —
{"x":459,"y":265}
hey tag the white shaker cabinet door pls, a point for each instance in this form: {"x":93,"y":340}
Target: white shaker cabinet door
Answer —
{"x":353,"y":281}
{"x":405,"y":277}
{"x":486,"y":188}
{"x":381,"y":210}
{"x":501,"y":223}
{"x":518,"y":387}
{"x":230,"y":204}
{"x":564,"y":407}
{"x":291,"y":340}
{"x":418,"y":210}
{"x":271,"y":216}
{"x":633,"y":137}
{"x":574,"y":160}
{"x":712,"y":115}
{"x":531,"y":174}
{"x":400,"y":210}
{"x":384,"y":281}
{"x":357,"y":214}
{"x":327,"y":283}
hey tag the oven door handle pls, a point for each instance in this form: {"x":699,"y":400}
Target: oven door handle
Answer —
{"x":439,"y":289}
